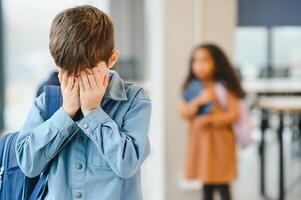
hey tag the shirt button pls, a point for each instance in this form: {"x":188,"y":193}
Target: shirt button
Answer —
{"x":86,"y":126}
{"x":78,"y":195}
{"x":79,"y":166}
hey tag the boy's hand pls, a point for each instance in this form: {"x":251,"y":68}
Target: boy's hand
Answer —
{"x":70,"y":92}
{"x":92,"y":86}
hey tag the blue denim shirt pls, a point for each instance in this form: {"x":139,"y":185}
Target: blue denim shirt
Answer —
{"x":99,"y":156}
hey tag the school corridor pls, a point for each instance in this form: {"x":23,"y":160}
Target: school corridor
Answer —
{"x":158,"y":42}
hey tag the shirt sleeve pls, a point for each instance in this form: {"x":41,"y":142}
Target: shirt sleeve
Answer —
{"x":39,"y":140}
{"x":126,"y":148}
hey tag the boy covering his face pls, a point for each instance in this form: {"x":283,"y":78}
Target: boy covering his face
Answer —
{"x":97,"y":140}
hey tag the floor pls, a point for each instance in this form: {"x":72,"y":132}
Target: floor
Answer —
{"x":247,"y":186}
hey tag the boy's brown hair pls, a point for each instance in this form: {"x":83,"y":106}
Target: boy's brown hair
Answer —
{"x":81,"y":37}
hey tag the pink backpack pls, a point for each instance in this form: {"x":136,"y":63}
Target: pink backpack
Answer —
{"x":242,"y":128}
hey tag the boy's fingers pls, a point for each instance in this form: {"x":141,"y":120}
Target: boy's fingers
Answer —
{"x":102,"y":78}
{"x":91,"y":79}
{"x":73,"y":85}
{"x":81,"y":84}
{"x":97,"y":77}
{"x":70,"y":82}
{"x":76,"y":85}
{"x":85,"y":80}
{"x":106,"y":81}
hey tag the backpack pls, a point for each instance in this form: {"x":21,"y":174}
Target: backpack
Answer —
{"x":242,"y":129}
{"x":14,"y":185}
{"x":193,"y":89}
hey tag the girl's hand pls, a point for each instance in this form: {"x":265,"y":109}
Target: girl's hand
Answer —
{"x":92,"y":86}
{"x":202,"y":121}
{"x":206,"y":96}
{"x":70,"y":92}
{"x":189,"y":109}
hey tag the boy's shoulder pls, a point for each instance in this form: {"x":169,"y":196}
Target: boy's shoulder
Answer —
{"x":135,"y":90}
{"x":126,"y":89}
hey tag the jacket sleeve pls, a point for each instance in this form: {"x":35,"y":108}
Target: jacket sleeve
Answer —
{"x":39,"y":140}
{"x":126,"y":148}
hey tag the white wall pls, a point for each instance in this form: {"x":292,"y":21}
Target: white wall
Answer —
{"x":178,"y":19}
{"x":153,"y":171}
{"x":217,"y":22}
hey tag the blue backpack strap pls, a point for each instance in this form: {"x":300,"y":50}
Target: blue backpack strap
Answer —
{"x":40,"y":188}
{"x":53,"y":101}
{"x":6,"y":150}
{"x":5,"y":156}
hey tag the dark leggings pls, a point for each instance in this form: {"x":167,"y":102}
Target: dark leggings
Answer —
{"x":223,"y":189}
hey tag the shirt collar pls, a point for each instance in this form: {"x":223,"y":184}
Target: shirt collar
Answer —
{"x":115,"y":89}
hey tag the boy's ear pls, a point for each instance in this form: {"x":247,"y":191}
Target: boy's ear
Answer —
{"x":113,"y":59}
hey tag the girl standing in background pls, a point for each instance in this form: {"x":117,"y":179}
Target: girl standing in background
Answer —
{"x":211,"y":148}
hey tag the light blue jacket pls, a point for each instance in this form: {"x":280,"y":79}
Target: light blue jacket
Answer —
{"x":99,"y":156}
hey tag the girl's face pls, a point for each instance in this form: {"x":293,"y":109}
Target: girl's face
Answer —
{"x":203,"y":64}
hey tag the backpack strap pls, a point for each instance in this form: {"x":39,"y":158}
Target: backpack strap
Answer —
{"x":37,"y":188}
{"x":221,"y":93}
{"x":6,"y":150}
{"x":5,"y":156}
{"x":53,"y":99}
